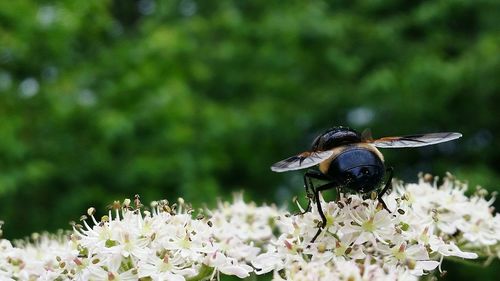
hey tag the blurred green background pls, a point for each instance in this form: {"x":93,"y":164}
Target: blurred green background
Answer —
{"x":100,"y":100}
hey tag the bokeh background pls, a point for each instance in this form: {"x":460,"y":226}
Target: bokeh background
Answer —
{"x":101,"y":100}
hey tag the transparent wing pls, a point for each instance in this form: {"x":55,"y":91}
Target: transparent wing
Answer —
{"x":301,"y":161}
{"x":414,"y":140}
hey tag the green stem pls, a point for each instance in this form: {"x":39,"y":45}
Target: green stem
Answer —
{"x":205,"y":272}
{"x":474,"y":263}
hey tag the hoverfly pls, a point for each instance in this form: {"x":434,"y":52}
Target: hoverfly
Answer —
{"x":351,"y":161}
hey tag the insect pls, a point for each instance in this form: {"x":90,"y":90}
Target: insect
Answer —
{"x":349,"y":161}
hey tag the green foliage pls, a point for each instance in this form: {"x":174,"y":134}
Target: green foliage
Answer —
{"x":100,"y":100}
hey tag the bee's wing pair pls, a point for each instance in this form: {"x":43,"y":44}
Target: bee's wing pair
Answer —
{"x":301,"y":161}
{"x":310,"y":158}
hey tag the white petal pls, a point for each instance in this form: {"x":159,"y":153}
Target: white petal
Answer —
{"x":266,"y":262}
{"x":240,"y":270}
{"x":427,"y":265}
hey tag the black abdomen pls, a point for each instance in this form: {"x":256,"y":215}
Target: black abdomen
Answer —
{"x":335,"y":137}
{"x":357,"y":169}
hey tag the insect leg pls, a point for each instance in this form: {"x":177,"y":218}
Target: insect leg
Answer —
{"x":309,"y":186}
{"x":320,"y":210}
{"x":387,"y":186}
{"x":338,"y":196}
{"x":308,"y":176}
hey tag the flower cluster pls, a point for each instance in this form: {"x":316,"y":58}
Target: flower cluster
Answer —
{"x":426,"y":224}
{"x":361,"y":241}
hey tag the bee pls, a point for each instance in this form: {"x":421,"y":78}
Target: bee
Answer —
{"x":351,"y":162}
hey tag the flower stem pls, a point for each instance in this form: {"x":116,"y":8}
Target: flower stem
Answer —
{"x":205,"y":272}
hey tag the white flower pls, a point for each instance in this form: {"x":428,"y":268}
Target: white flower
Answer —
{"x":415,"y":257}
{"x":449,"y":249}
{"x":228,"y":266}
{"x":166,"y":268}
{"x":361,"y":240}
{"x":266,"y":262}
{"x":369,"y":223}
